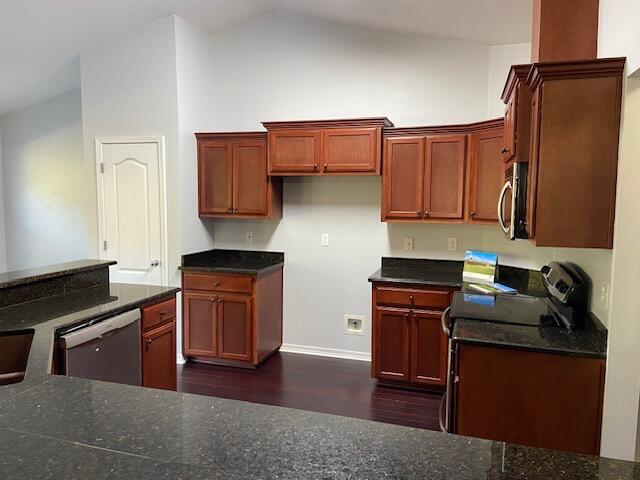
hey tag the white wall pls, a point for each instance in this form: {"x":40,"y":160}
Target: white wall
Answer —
{"x":619,"y":34}
{"x":195,"y":114}
{"x":283,"y":66}
{"x":44,"y":183}
{"x":3,"y":246}
{"x":129,"y":88}
{"x":501,"y":57}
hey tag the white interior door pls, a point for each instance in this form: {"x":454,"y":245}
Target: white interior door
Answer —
{"x":131,"y":211}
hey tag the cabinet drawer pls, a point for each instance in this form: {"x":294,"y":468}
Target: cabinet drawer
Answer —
{"x":158,"y":314}
{"x":217,"y":283}
{"x":408,"y":297}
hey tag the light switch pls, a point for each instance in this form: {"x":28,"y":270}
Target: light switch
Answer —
{"x":324,"y":240}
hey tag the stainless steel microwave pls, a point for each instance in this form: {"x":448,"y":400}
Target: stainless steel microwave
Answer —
{"x":512,"y":219}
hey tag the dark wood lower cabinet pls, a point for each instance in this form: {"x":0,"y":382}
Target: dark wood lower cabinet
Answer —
{"x":529,"y":398}
{"x":230,"y":319}
{"x":408,"y":345}
{"x":159,"y":345}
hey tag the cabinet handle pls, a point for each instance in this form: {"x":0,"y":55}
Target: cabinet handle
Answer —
{"x":217,"y":284}
{"x":315,"y":166}
{"x":220,"y":300}
{"x":229,"y":210}
{"x":213,"y":300}
{"x":504,"y":150}
{"x":419,"y":212}
{"x":411,"y":299}
{"x":426,"y":213}
{"x":325,"y":167}
{"x":473,"y":214}
{"x":149,"y":340}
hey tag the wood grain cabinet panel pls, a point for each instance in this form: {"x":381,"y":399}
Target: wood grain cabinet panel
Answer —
{"x":214,"y":177}
{"x":234,"y":327}
{"x":294,"y":151}
{"x":350,"y":149}
{"x":231,"y":319}
{"x":250,"y":183}
{"x":574,"y":140}
{"x":159,"y":357}
{"x":428,"y":349}
{"x":158,"y":339}
{"x":392,"y":343}
{"x":485,"y":176}
{"x":425,"y":173}
{"x":199,"y":324}
{"x":402,"y":191}
{"x":529,"y":398}
{"x":232,"y":177}
{"x":444,"y":176}
{"x":408,"y":346}
{"x":326,"y":147}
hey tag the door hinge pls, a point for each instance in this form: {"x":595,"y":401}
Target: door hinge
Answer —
{"x":101,"y":167}
{"x":104,"y":245}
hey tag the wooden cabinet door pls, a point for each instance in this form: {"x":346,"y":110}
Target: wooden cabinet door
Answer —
{"x":444,"y":176}
{"x":486,"y":175}
{"x":234,"y":327}
{"x":200,"y":336}
{"x":250,"y":187}
{"x":428,"y":349}
{"x":214,"y":177}
{"x":347,"y":150}
{"x":159,"y":357}
{"x":294,"y":151}
{"x":392,"y":343}
{"x":403,"y":178}
{"x":508,"y":149}
{"x":532,"y":180}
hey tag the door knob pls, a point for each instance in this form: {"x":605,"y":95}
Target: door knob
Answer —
{"x":154,"y":263}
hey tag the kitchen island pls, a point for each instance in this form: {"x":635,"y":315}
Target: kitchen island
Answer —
{"x":62,"y":427}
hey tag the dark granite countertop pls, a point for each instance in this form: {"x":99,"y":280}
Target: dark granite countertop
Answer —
{"x":22,"y":277}
{"x":242,"y":262}
{"x":63,"y":427}
{"x":448,"y":273}
{"x":591,"y":342}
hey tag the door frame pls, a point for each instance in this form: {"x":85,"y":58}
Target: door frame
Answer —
{"x":160,"y":143}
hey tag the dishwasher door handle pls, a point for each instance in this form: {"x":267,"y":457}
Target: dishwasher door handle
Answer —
{"x":87,"y":334}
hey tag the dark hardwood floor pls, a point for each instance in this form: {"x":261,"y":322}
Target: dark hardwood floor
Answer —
{"x":318,"y":384}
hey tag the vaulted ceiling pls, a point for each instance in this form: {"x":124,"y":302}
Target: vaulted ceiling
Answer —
{"x":40,"y":40}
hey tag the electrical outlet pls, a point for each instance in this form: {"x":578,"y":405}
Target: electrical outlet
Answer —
{"x":354,"y":324}
{"x":604,"y":295}
{"x":249,"y":237}
{"x":407,"y":244}
{"x":324,"y":240}
{"x":452,"y":244}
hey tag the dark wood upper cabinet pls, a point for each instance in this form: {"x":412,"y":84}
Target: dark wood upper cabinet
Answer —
{"x":574,"y":152}
{"x":232,"y":177}
{"x":402,"y":191}
{"x":444,"y":177}
{"x":214,"y":177}
{"x":326,"y":147}
{"x":294,"y":151}
{"x":392,"y":343}
{"x":485,"y":173}
{"x":159,"y":345}
{"x":517,"y":116}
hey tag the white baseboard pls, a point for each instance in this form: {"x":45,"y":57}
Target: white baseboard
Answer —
{"x":325,"y":352}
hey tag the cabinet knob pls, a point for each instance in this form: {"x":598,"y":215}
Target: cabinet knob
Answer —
{"x":411,"y":299}
{"x":229,"y":210}
{"x":419,"y":212}
{"x":315,"y":166}
{"x":325,"y":167}
{"x":504,"y":150}
{"x":473,"y":214}
{"x":220,"y":300}
{"x":217,"y":284}
{"x":426,"y":213}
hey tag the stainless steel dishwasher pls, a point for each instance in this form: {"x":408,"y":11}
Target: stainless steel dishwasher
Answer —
{"x":108,"y":350}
